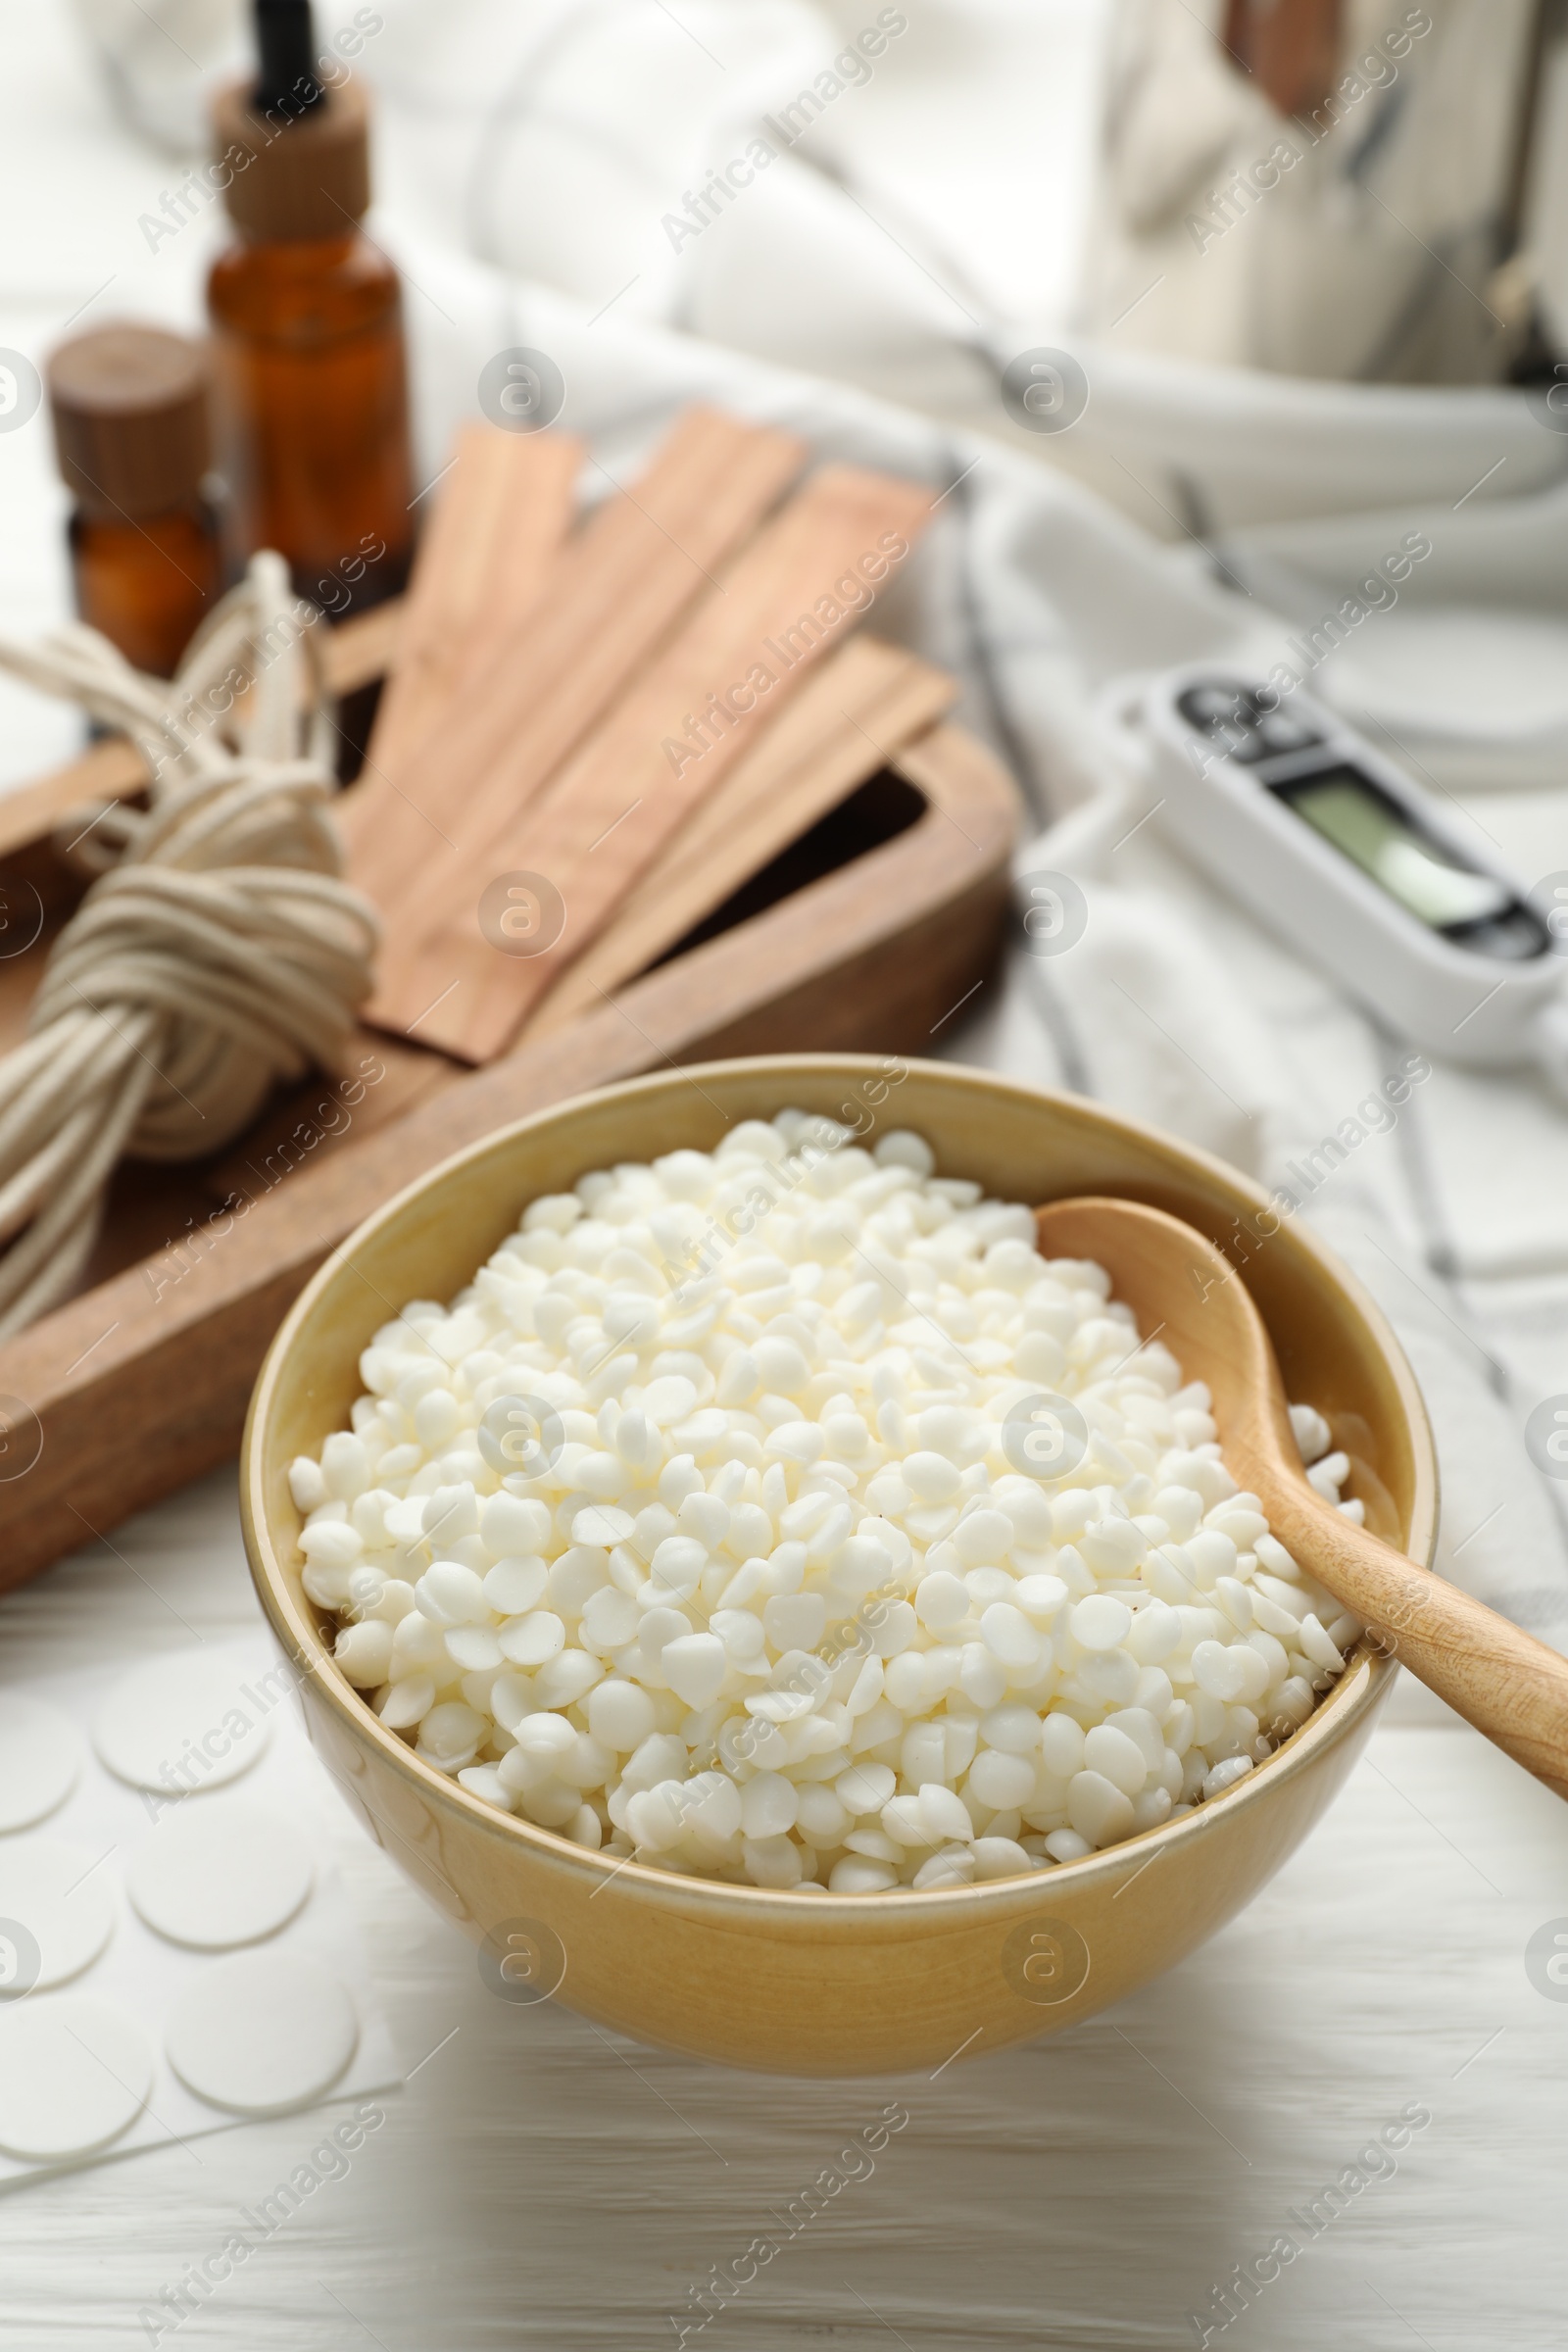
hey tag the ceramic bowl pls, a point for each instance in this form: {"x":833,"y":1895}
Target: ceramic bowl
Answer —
{"x":825,"y":1984}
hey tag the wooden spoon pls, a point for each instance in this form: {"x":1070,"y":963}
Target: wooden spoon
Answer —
{"x":1509,"y":1685}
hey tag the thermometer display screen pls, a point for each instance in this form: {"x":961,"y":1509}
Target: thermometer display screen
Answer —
{"x":1428,"y":879}
{"x":1348,"y":810}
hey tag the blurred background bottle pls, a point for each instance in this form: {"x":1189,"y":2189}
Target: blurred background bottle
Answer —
{"x":130,"y":407}
{"x":308,"y":328}
{"x":1362,"y":190}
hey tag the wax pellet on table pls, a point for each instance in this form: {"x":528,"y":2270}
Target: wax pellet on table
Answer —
{"x":261,"y":2031}
{"x":74,"y":2072}
{"x":58,"y":1893}
{"x":187,"y":1721}
{"x":219,"y":1872}
{"x":40,"y":1759}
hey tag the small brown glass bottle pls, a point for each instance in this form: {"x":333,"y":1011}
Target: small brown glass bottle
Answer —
{"x":132,"y":433}
{"x":308,"y":331}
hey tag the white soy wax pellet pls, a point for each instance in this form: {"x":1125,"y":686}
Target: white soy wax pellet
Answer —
{"x":1119,"y":1759}
{"x":660,"y":1627}
{"x":930,"y":1476}
{"x":1097,"y":1809}
{"x":1065,"y":1845}
{"x":1010,"y":1636}
{"x":695,"y":1667}
{"x":772,"y":1861}
{"x":923,"y":1752}
{"x":1061,"y":1745}
{"x":953,"y":1867}
{"x":1040,"y":1596}
{"x":677,"y":1565}
{"x":331,"y":1543}
{"x":981,"y":1678}
{"x":999,"y":1858}
{"x":904,"y":1823}
{"x":1139,"y":1725}
{"x":546,"y":1737}
{"x":855,"y":1874}
{"x":1311,"y":1432}
{"x":1101,"y":1621}
{"x":865,"y":1788}
{"x":306,"y":1483}
{"x":473,"y":1649}
{"x":602,"y":1525}
{"x":781,"y":1531}
{"x":345,"y":1465}
{"x":1317,"y":1644}
{"x":1228,"y":1670}
{"x":944,"y":1812}
{"x":1014,"y":1728}
{"x":904,"y":1681}
{"x":1155,"y":1632}
{"x":987,"y":1584}
{"x":795,"y":1620}
{"x":408,"y":1701}
{"x":1002,"y":1782}
{"x":768,"y":1805}
{"x":532,"y":1638}
{"x":513,"y":1523}
{"x":941,"y":1600}
{"x":515,"y":1584}
{"x":483,"y":1780}
{"x":655,"y":1817}
{"x":448,"y":1594}
{"x":903,"y":1149}
{"x":363,"y":1653}
{"x":1111,"y":1675}
{"x":609,"y":1620}
{"x":820,"y":1814}
{"x":983,"y":1538}
{"x":450,"y":1735}
{"x":712,"y":1808}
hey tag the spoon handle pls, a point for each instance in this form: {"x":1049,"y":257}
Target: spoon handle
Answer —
{"x":1508,"y":1683}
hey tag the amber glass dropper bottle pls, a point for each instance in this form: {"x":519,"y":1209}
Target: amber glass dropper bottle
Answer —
{"x":133,"y":439}
{"x":308,"y":329}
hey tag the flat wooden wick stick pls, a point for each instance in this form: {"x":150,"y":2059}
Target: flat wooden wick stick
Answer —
{"x":498,"y":519}
{"x":665,"y":747}
{"x":620,"y":584}
{"x":856,"y":711}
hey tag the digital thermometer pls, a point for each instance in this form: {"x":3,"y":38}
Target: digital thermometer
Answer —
{"x":1348,"y":858}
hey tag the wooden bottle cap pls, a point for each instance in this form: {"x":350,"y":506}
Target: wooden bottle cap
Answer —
{"x":291,"y":180}
{"x":130,"y":416}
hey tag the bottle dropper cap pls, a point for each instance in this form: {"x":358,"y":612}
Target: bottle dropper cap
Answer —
{"x":130,"y":418}
{"x":285,"y":59}
{"x":296,"y":155}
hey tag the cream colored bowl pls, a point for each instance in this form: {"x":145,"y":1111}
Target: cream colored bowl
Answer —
{"x":824,"y":1984}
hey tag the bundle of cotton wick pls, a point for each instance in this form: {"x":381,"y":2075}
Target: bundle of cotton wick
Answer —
{"x":217,"y":952}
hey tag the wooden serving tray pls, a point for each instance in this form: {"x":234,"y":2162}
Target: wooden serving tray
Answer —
{"x":869,"y":931}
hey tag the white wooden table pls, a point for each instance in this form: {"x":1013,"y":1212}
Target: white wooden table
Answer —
{"x":536,"y":2182}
